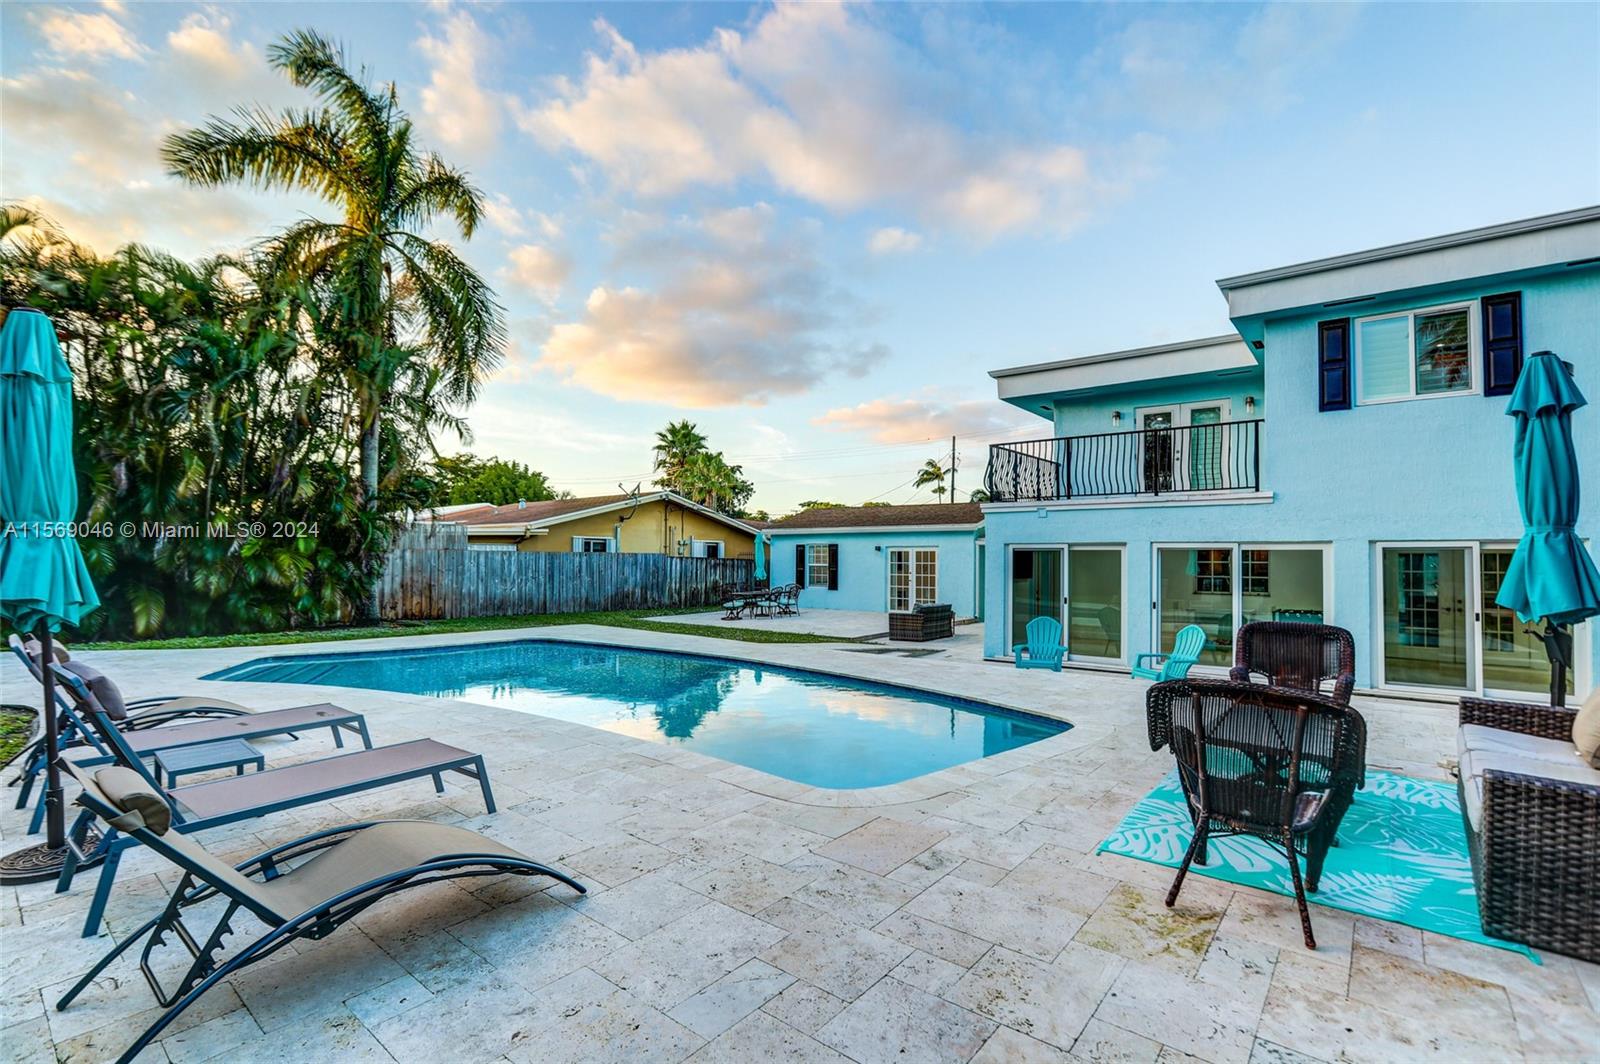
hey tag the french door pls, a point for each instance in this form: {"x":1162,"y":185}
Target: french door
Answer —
{"x":1440,"y":628}
{"x":1178,"y":451}
{"x":1081,"y":587}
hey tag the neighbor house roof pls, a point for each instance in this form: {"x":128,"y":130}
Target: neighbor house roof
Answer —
{"x":952,"y":515}
{"x":530,"y":516}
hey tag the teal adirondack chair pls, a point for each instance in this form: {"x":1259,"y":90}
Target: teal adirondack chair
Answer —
{"x":1043,"y":649}
{"x":1186,"y":648}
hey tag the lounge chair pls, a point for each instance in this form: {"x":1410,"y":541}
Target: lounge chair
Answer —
{"x":1043,"y":650}
{"x":1186,"y":648}
{"x":344,"y":871}
{"x":1297,"y":655}
{"x":199,"y":806}
{"x":1277,"y":764}
{"x":147,"y":742}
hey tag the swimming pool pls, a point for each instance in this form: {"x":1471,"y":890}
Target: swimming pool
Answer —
{"x":810,"y":727}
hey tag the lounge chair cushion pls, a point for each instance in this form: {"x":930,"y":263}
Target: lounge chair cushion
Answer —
{"x":372,"y":853}
{"x":132,"y":793}
{"x":1474,"y":763}
{"x":100,"y":685}
{"x":1586,"y":728}
{"x":33,"y":648}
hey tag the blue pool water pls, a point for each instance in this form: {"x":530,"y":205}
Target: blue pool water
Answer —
{"x":824,"y":730}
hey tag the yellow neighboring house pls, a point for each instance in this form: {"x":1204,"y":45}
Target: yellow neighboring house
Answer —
{"x":661,"y":522}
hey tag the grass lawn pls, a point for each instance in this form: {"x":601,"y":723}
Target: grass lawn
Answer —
{"x":614,"y":618}
{"x":14,"y":731}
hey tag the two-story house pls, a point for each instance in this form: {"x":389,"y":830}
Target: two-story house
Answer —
{"x":1344,"y":457}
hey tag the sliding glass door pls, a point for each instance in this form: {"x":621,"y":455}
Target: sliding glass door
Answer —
{"x":1081,"y":587}
{"x":1220,"y":586}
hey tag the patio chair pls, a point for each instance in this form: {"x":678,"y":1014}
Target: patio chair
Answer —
{"x":1186,"y":648}
{"x":1304,"y":657}
{"x":1043,"y":650}
{"x":341,"y":872}
{"x":789,"y":599}
{"x":1277,"y":764}
{"x":198,"y":806}
{"x":148,"y":742}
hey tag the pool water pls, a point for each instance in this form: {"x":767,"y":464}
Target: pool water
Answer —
{"x":813,"y":728}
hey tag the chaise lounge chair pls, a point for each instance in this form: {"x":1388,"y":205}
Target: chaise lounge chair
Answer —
{"x":346,"y":870}
{"x":1187,"y":646}
{"x":1043,"y":650}
{"x":196,"y":807}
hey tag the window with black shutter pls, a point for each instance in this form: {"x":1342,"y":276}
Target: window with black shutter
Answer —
{"x":833,"y":567}
{"x":1333,"y":364}
{"x":1502,"y":342}
{"x":800,"y":564}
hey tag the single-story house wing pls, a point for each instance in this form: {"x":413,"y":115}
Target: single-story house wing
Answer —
{"x":661,"y":522}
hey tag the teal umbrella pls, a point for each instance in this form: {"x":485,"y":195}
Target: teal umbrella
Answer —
{"x":761,"y":557}
{"x":43,"y":581}
{"x":1551,"y":575}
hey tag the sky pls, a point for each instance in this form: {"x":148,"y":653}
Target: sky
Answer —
{"x":813,"y":229}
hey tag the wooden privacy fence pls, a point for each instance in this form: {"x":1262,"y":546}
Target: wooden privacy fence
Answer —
{"x":428,"y":577}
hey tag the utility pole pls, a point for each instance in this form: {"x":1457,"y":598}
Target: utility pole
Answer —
{"x":952,"y":469}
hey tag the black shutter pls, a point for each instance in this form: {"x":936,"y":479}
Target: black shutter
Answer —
{"x":1333,"y":364}
{"x":800,"y":564}
{"x":1502,"y":342}
{"x":833,"y":567}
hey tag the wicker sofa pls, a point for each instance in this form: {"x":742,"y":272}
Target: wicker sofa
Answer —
{"x":1532,"y":812}
{"x":922,"y":623}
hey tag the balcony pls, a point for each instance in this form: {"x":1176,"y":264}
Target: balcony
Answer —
{"x":1219,"y":458}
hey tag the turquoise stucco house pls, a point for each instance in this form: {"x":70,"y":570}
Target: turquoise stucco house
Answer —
{"x":1343,"y":456}
{"x":882,"y":558}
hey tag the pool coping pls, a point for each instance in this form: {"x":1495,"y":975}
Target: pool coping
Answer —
{"x":1078,"y":735}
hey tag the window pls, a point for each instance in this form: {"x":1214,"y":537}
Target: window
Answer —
{"x":1416,"y":354}
{"x":491,"y":546}
{"x":1253,"y":569}
{"x":1213,"y":572}
{"x":708,"y":548}
{"x":913,"y":577}
{"x":591,"y":544}
{"x":816,"y":565}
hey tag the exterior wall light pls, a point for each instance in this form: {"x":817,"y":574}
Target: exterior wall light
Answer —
{"x":1116,"y":418}
{"x":1249,"y":404}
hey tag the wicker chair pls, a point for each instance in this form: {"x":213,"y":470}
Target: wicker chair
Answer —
{"x":1277,"y":764}
{"x":1533,"y":832}
{"x":1303,"y":657}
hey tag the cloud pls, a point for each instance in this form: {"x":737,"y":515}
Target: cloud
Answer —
{"x":825,"y":105}
{"x":911,"y":419}
{"x":538,"y":270}
{"x":80,"y":117}
{"x":737,"y":312}
{"x":456,"y":108}
{"x":91,"y":35}
{"x":514,"y":221}
{"x":202,"y":42}
{"x":893,"y":240}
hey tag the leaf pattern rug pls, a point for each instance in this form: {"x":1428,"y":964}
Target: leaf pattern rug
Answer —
{"x":1402,"y":855}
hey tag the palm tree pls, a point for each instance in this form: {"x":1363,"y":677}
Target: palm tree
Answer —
{"x":709,"y":480}
{"x":931,"y":473}
{"x":394,"y":286}
{"x":675,"y":446}
{"x":978,"y":495}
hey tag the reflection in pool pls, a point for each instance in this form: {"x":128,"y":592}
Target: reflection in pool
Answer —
{"x":813,"y":728}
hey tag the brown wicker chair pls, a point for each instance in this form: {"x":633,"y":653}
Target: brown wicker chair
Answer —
{"x":1277,"y":764}
{"x":1305,"y":657}
{"x":1536,"y":843}
{"x":922,"y":623}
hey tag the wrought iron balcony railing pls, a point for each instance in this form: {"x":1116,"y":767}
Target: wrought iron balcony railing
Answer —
{"x":1188,"y":459}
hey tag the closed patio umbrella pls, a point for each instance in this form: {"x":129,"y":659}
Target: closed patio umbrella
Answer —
{"x":43,"y":581}
{"x":1551,"y":575}
{"x":761,"y":557}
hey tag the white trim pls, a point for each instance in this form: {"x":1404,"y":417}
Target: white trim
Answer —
{"x":881,"y":530}
{"x":1474,"y":352}
{"x":1193,"y":498}
{"x":1064,"y":616}
{"x":888,"y":574}
{"x":579,"y":542}
{"x":697,"y":547}
{"x":1235,"y":583}
{"x":537,"y":525}
{"x":1214,"y":354}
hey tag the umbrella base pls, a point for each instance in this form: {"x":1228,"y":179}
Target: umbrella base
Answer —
{"x":35,"y":864}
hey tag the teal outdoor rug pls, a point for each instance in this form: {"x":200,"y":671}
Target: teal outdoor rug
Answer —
{"x":1402,"y":855}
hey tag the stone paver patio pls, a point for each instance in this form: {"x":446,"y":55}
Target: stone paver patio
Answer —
{"x":738,"y":917}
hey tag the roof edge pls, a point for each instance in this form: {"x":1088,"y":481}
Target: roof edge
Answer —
{"x":1536,"y":224}
{"x":1115,"y":356}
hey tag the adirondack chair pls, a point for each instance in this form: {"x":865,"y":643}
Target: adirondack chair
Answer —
{"x":1043,"y":649}
{"x":1186,"y":648}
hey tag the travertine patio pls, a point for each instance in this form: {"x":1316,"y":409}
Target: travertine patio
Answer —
{"x":737,"y":917}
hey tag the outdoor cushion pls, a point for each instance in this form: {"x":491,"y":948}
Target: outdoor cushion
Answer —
{"x":33,"y":648}
{"x":1474,"y":763}
{"x":1586,"y":729}
{"x":132,"y":793}
{"x":100,"y":685}
{"x":1479,"y":737}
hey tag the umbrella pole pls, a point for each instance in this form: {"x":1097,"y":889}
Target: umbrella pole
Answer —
{"x":55,"y":820}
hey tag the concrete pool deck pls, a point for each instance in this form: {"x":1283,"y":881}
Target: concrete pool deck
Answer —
{"x":734,"y":916}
